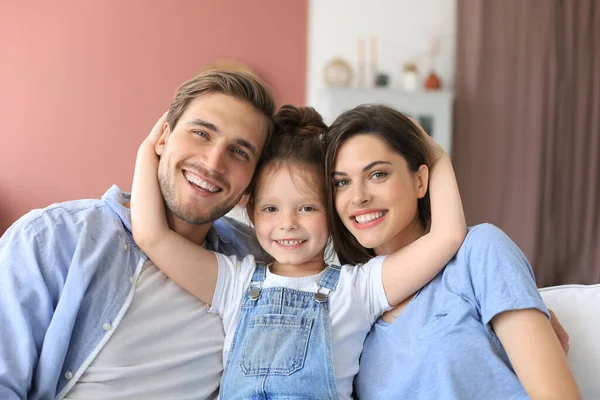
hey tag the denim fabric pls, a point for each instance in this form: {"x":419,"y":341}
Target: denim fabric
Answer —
{"x":66,"y":276}
{"x":282,"y":344}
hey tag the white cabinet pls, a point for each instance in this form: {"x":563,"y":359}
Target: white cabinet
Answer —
{"x":432,"y":109}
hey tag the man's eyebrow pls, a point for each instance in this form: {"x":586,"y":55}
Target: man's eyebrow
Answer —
{"x":365,"y":169}
{"x":206,"y":124}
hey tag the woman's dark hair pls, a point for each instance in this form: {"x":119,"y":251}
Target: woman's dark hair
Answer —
{"x":402,"y":136}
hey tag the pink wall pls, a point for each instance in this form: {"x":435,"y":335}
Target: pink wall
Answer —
{"x":82,"y":82}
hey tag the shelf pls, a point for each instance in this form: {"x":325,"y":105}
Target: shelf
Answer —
{"x":433,"y":109}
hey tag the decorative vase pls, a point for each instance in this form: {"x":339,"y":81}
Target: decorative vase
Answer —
{"x":433,"y":82}
{"x":410,"y":78}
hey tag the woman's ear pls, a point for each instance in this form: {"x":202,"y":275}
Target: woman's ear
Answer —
{"x":159,"y":147}
{"x":422,"y":181}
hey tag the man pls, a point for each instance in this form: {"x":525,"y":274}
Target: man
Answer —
{"x":84,"y":313}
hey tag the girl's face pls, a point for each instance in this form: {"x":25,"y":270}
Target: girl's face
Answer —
{"x":376,"y":194}
{"x":290,"y":215}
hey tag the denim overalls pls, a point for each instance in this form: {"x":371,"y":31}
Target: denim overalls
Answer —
{"x":282,"y":344}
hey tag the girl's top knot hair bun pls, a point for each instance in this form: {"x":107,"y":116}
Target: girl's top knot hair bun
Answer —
{"x":299,"y":121}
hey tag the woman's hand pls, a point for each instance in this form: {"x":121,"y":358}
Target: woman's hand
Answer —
{"x":435,"y":150}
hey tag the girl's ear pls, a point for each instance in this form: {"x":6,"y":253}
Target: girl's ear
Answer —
{"x":159,"y":147}
{"x":422,"y":181}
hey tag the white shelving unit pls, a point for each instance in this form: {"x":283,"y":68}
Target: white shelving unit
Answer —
{"x":432,"y":109}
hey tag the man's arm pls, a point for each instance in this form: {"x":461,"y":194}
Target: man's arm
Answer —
{"x":26,"y":307}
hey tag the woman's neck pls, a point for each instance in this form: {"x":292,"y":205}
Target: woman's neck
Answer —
{"x":405,"y":237}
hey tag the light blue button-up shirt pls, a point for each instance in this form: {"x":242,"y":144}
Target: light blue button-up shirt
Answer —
{"x":66,"y":271}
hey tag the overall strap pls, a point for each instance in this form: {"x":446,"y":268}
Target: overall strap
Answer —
{"x":258,"y":277}
{"x":328,"y":282}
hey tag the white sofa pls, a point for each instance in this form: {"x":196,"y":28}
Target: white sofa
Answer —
{"x":578,"y":310}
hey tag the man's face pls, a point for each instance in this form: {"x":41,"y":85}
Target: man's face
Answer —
{"x":208,"y":159}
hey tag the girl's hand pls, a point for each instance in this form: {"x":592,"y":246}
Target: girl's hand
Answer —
{"x":156,"y":131}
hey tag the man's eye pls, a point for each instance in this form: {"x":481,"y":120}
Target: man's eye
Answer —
{"x":202,"y":134}
{"x":241,"y":153}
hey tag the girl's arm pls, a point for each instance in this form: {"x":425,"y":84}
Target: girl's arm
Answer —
{"x":536,"y":354}
{"x":190,"y":266}
{"x":410,"y":268}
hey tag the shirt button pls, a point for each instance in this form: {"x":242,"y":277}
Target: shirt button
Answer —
{"x":68,"y":375}
{"x":125,"y":247}
{"x":106,"y":326}
{"x":131,"y":280}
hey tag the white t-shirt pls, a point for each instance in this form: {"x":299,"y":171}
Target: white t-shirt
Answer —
{"x":354,"y":306}
{"x":166,"y":347}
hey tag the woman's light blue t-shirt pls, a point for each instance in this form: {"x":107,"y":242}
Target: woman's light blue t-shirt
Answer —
{"x":442,"y":345}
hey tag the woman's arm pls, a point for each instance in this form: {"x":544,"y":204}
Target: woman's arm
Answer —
{"x":536,"y":354}
{"x":408,"y":269}
{"x":190,"y":266}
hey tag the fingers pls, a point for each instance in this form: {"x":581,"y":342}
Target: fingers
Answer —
{"x":157,"y":130}
{"x":561,"y":333}
{"x":435,"y":150}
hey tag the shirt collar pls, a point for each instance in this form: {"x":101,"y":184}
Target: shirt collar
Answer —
{"x":118,"y":201}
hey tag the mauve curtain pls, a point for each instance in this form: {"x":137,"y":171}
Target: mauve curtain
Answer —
{"x":527,"y":129}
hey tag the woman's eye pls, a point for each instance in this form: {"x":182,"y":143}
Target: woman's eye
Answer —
{"x":340,"y":183}
{"x":379,"y":175}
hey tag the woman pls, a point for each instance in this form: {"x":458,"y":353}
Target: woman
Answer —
{"x":479,"y":329}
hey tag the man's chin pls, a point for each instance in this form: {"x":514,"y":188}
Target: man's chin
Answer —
{"x":200,"y":217}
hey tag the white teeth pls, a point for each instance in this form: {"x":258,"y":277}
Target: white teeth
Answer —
{"x":364,"y":218}
{"x":199,"y":182}
{"x":290,"y":242}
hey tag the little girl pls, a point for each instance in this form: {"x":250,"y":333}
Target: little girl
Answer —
{"x":295,"y":327}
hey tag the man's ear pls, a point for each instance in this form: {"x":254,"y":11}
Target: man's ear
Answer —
{"x":159,"y":147}
{"x":422,"y":181}
{"x":250,"y":209}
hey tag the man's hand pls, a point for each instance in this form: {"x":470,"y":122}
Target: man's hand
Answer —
{"x":561,"y":333}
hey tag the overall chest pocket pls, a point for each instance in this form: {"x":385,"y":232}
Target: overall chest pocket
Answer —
{"x":275,"y":344}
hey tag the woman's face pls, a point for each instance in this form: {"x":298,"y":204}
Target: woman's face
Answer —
{"x":376,"y":194}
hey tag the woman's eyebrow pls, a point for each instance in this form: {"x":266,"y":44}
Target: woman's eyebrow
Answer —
{"x":375,"y":163}
{"x":365,"y":169}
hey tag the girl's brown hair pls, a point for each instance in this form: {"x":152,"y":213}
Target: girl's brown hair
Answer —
{"x":402,"y":136}
{"x":297,"y":140}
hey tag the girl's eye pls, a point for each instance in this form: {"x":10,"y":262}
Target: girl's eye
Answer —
{"x":270,"y":209}
{"x":307,"y":208}
{"x":379,"y":175}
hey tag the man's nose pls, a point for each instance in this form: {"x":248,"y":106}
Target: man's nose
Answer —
{"x":215,"y":158}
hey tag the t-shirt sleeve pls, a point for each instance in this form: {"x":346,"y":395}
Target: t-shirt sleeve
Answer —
{"x":233,"y":278}
{"x":501,"y":276}
{"x":368,"y":287}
